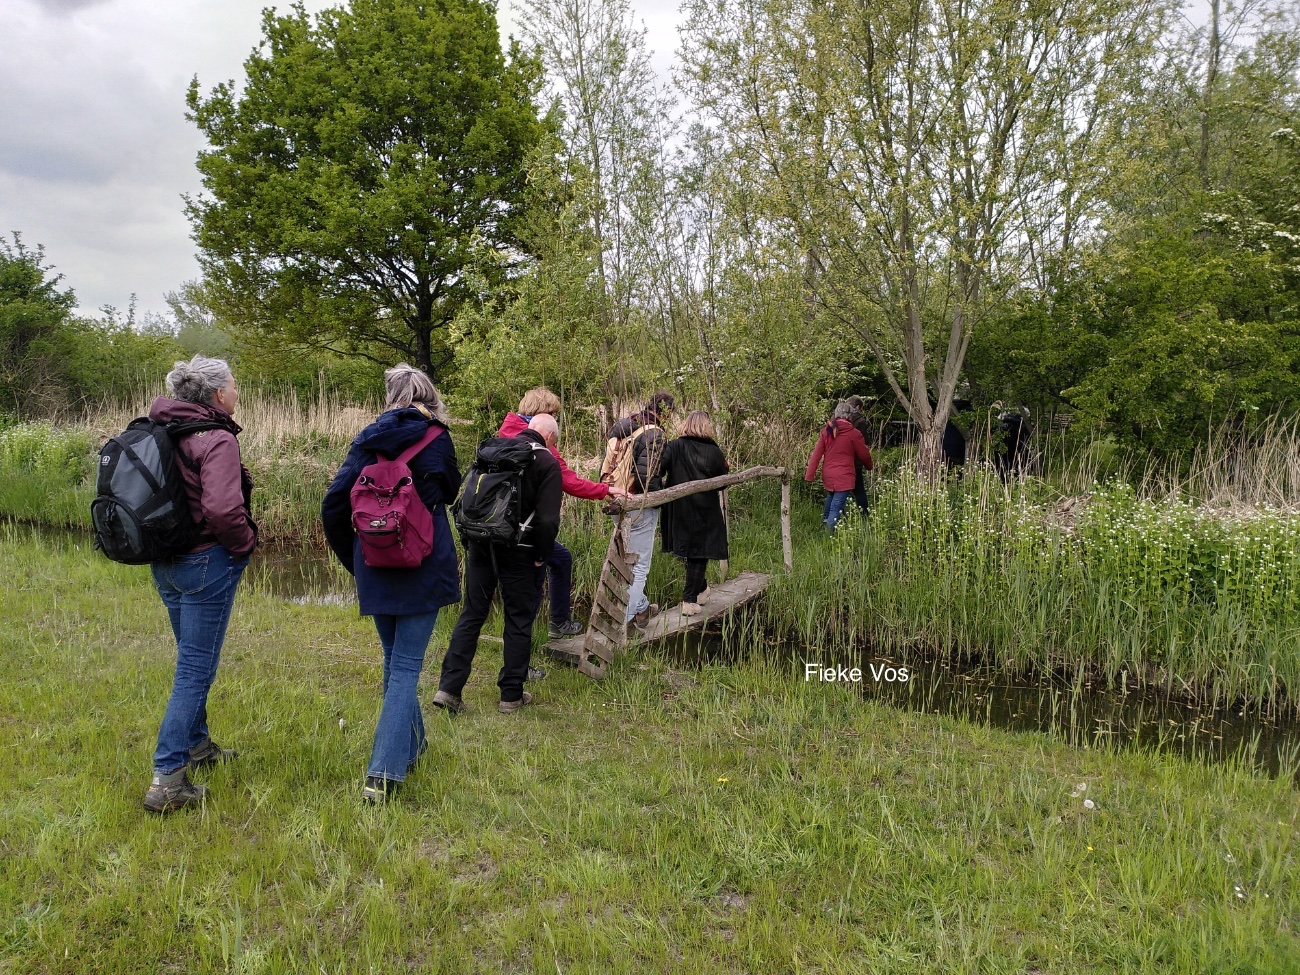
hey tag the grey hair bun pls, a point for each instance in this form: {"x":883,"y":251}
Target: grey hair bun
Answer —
{"x":198,"y":380}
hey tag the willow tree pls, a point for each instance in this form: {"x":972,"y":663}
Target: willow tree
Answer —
{"x":369,"y":157}
{"x":931,"y":156}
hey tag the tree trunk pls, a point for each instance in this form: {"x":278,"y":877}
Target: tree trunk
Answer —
{"x":424,"y":348}
{"x":1211,"y":77}
{"x":929,"y":458}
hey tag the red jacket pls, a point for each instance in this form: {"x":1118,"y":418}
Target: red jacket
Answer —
{"x":574,"y":485}
{"x":839,"y":450}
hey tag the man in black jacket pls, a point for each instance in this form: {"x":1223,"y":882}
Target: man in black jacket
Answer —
{"x":515,"y":570}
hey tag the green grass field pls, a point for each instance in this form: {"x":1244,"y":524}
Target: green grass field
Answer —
{"x":720,"y":820}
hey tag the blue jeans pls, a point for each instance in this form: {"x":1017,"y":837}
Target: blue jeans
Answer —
{"x":834,"y":507}
{"x":399,"y":736}
{"x":199,"y":591}
{"x":561,"y":573}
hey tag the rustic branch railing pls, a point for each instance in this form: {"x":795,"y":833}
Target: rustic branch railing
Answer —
{"x":657,"y":499}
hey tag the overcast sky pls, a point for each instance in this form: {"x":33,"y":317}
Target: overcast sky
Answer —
{"x":95,"y":152}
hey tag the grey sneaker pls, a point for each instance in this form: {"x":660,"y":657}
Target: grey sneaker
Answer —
{"x":167,"y":793}
{"x":569,"y":628}
{"x":208,"y":752}
{"x":448,"y":702}
{"x":510,"y":707}
{"x":378,"y":790}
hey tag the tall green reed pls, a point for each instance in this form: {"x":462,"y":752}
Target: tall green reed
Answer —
{"x":1163,"y":591}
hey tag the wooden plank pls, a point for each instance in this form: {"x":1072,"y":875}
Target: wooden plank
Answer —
{"x":592,"y":652}
{"x":617,"y":566}
{"x":593,"y":667}
{"x":615,"y":609}
{"x":563,"y":655}
{"x":607,"y":628}
{"x":598,"y":644}
{"x":613,"y":594}
{"x":722,"y":600}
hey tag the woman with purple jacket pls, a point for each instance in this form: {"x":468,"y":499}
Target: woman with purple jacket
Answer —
{"x":198,"y":588}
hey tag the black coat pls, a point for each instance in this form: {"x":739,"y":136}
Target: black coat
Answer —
{"x":693,"y":527}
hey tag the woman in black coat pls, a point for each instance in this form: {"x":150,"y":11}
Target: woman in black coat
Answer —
{"x":694,"y":527}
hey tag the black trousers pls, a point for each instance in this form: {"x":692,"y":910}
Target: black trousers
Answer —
{"x":696,"y":582}
{"x":514,"y":572}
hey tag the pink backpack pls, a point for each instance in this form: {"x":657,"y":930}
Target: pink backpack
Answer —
{"x":392,"y":523}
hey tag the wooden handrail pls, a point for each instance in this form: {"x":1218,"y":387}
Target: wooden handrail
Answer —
{"x":657,"y":499}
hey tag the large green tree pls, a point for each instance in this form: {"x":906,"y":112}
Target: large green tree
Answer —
{"x":368,"y":155}
{"x":930,"y":156}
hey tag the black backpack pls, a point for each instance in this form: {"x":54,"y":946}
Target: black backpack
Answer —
{"x":490,"y":506}
{"x":141,"y":513}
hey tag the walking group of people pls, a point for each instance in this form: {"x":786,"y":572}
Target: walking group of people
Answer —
{"x":395,"y":539}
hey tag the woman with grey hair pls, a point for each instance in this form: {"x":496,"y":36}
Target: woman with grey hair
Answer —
{"x":198,"y":587}
{"x":840,"y":448}
{"x":403,"y":601}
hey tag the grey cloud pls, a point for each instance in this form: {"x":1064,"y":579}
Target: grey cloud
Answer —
{"x":68,"y":6}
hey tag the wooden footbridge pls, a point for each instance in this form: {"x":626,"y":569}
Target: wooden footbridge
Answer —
{"x":607,"y":635}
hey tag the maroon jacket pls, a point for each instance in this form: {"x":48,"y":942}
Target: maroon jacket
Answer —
{"x":839,"y":449}
{"x":217,"y":485}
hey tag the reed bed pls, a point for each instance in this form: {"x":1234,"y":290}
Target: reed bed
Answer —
{"x":1133,"y":588}
{"x":1189,"y":580}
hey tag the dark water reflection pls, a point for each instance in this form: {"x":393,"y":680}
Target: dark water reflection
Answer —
{"x":1084,"y":713}
{"x":299,"y":574}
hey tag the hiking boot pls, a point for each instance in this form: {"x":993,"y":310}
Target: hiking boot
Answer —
{"x":569,"y":628}
{"x":645,"y":616}
{"x":691,"y":609}
{"x":510,"y":707}
{"x":208,"y":752}
{"x":536,"y":673}
{"x":167,"y":793}
{"x":378,"y":790}
{"x":448,"y":702}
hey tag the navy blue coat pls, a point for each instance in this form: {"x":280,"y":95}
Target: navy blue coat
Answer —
{"x":398,"y":592}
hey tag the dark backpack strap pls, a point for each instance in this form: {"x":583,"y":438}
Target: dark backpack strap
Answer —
{"x":430,"y":435}
{"x":177,"y":429}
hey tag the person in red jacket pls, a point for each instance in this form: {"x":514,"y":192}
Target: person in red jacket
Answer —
{"x":839,"y":450}
{"x":560,"y":563}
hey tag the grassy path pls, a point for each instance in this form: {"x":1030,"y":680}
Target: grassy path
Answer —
{"x":725,"y":820}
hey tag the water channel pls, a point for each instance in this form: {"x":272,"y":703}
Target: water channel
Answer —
{"x":1084,"y":713}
